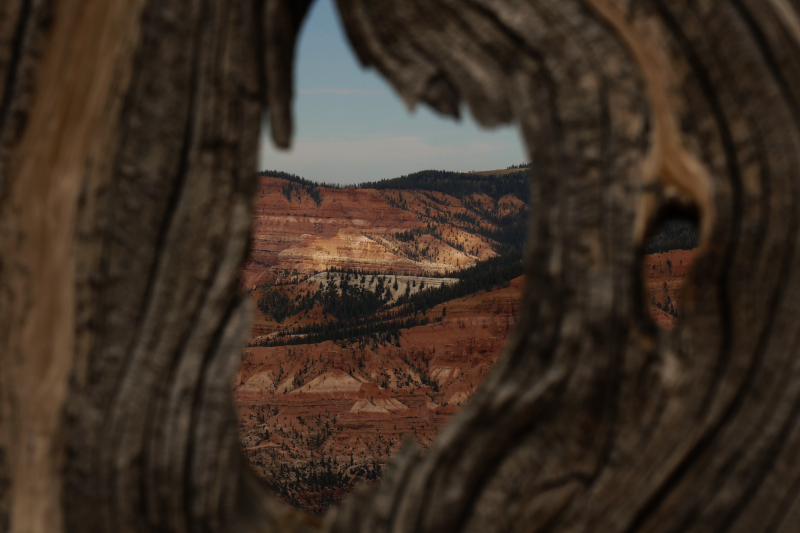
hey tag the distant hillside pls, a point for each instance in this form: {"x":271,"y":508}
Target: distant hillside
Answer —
{"x":494,"y":184}
{"x":357,"y":308}
{"x":380,"y":307}
{"x":509,"y":226}
{"x":664,"y":275}
{"x":299,"y":180}
{"x":499,"y":171}
{"x":379,"y":310}
{"x":316,"y":419}
{"x":451,"y":221}
{"x":428,"y":224}
{"x":677,"y":234}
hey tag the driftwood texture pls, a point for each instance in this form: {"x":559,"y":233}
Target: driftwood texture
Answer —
{"x":128,"y":135}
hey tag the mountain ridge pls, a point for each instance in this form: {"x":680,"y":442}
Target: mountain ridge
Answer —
{"x":379,"y":310}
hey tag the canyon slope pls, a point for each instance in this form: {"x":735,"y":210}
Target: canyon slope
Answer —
{"x":315,"y":419}
{"x":664,"y":275}
{"x":379,"y":310}
{"x":301,"y":227}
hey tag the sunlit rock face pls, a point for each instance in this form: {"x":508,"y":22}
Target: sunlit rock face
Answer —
{"x":316,"y":418}
{"x":362,"y":229}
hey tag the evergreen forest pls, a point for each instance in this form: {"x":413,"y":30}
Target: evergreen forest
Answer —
{"x":365,"y":313}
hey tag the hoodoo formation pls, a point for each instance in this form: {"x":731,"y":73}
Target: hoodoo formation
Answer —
{"x":380,"y":309}
{"x":316,"y":418}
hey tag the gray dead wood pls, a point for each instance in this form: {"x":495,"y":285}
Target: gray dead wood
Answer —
{"x":128,"y":142}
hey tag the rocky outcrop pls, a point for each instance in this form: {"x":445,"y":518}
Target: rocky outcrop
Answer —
{"x":316,"y":418}
{"x":336,"y":412}
{"x":664,"y":275}
{"x":351,"y":406}
{"x":384,"y":231}
{"x":308,"y":407}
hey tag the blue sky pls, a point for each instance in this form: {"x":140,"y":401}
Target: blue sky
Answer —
{"x":351,"y":127}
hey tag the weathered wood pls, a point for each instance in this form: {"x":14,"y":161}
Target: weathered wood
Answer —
{"x":594,"y":420}
{"x":128,"y":139}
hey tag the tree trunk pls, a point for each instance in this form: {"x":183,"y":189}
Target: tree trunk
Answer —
{"x":128,"y":139}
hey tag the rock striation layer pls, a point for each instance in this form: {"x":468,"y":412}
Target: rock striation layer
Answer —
{"x":664,"y":275}
{"x":407,"y":232}
{"x":316,"y":418}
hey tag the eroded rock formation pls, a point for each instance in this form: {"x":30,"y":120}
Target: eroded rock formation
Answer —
{"x":365,"y":229}
{"x":316,"y":418}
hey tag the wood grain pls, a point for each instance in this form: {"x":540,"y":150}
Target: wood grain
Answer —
{"x":128,"y":143}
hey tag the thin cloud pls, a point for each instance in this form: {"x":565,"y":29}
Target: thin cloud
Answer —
{"x":352,"y":160}
{"x":321,"y":90}
{"x":382,"y":149}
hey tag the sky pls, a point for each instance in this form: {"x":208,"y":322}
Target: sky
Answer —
{"x":351,"y":127}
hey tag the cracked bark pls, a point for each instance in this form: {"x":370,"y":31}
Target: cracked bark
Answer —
{"x":128,"y":140}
